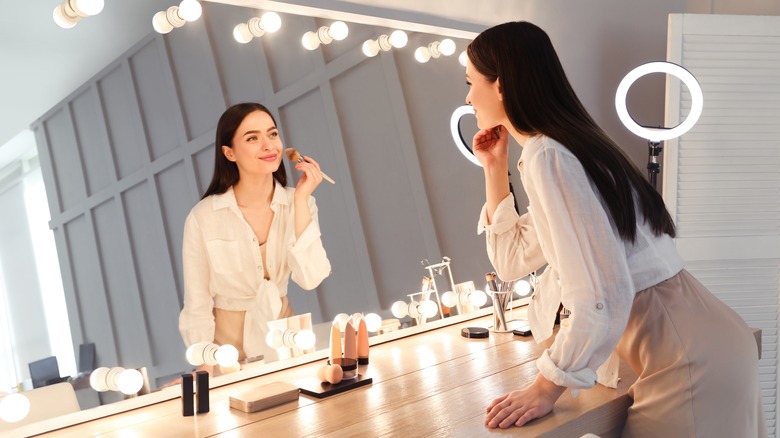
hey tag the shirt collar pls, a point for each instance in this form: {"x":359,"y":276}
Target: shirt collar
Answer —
{"x":228,"y":199}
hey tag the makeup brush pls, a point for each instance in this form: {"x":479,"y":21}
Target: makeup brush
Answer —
{"x":293,"y":155}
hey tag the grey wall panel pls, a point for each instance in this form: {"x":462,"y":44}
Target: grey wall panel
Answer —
{"x":196,"y":79}
{"x":125,"y":132}
{"x":65,"y":158}
{"x":172,"y":183}
{"x":89,"y":289}
{"x":117,"y":267}
{"x":90,"y":131}
{"x":286,"y":57}
{"x":203,"y":162}
{"x":154,"y":98}
{"x":155,"y":275}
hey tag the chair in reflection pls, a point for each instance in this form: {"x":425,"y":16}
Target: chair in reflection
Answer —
{"x":47,"y":402}
{"x":45,"y":372}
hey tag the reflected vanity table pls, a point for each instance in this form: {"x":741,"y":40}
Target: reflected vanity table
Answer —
{"x":435,"y":383}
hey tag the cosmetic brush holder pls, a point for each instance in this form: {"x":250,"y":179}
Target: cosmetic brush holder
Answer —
{"x":502,"y":301}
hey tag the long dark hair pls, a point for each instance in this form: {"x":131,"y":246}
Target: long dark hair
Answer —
{"x":538,"y":99}
{"x":226,"y":171}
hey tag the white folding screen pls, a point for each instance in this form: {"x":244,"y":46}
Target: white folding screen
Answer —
{"x":722,"y":178}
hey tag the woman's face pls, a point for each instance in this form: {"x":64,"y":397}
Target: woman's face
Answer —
{"x":257,"y":147}
{"x":485,"y":97}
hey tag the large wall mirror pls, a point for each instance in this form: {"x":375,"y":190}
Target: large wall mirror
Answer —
{"x":127,"y":155}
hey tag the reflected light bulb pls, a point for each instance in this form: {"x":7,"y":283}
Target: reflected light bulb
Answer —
{"x":341,"y":319}
{"x":194,"y":353}
{"x":14,"y":407}
{"x":447,"y":47}
{"x":522,"y":288}
{"x":160,"y":23}
{"x":310,"y":40}
{"x":373,"y":322}
{"x":339,"y":30}
{"x":449,"y":299}
{"x":63,"y":20}
{"x":478,"y":298}
{"x":129,"y":381}
{"x":422,"y":55}
{"x":305,"y":339}
{"x":399,"y":309}
{"x":226,"y":355}
{"x":463,"y":58}
{"x":271,"y":22}
{"x":370,"y":48}
{"x":428,"y":308}
{"x":242,"y":34}
{"x":274,"y":339}
{"x":97,"y":379}
{"x":398,"y":39}
{"x":190,"y":10}
{"x":87,"y":7}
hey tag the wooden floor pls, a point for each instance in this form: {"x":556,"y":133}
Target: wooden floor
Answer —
{"x":434,"y":384}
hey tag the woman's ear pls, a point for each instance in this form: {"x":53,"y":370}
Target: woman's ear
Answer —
{"x":228,"y":151}
{"x":498,"y":89}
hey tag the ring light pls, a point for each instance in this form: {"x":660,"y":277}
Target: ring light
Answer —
{"x":457,"y":136}
{"x":659,"y":134}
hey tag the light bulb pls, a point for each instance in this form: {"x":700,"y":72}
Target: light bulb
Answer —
{"x":226,"y":355}
{"x":339,"y":30}
{"x":398,"y":39}
{"x":129,"y":381}
{"x":370,"y":48}
{"x":194,"y":353}
{"x":242,"y":34}
{"x":97,"y":379}
{"x":274,"y":339}
{"x":305,"y":339}
{"x":447,"y":47}
{"x":271,"y":22}
{"x":399,"y":309}
{"x":63,"y":20}
{"x":449,"y":299}
{"x":341,"y":319}
{"x":422,"y":55}
{"x":87,"y":8}
{"x":111,"y":378}
{"x":174,"y":17}
{"x":463,"y":58}
{"x":373,"y":322}
{"x":428,"y":308}
{"x":310,"y":40}
{"x":190,"y":10}
{"x":14,"y":407}
{"x":478,"y":298}
{"x":522,"y":288}
{"x":414,"y":309}
{"x":160,"y":23}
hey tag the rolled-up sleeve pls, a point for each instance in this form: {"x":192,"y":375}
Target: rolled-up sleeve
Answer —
{"x":512,"y":243}
{"x":307,"y":258}
{"x":196,"y":320}
{"x":589,"y":258}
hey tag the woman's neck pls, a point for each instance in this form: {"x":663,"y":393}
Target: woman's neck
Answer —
{"x":254,"y":191}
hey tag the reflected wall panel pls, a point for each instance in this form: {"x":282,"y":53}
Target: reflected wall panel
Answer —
{"x":288,"y":60}
{"x":171,"y":183}
{"x":203,"y":162}
{"x":65,"y":159}
{"x":90,"y":130}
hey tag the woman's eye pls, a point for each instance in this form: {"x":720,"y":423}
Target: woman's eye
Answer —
{"x":274,"y":134}
{"x":252,"y":138}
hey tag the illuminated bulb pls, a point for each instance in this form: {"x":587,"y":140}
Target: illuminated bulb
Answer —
{"x":428,"y":308}
{"x":97,"y":379}
{"x":194,"y":353}
{"x":87,"y":8}
{"x":373,"y":322}
{"x":242,"y":34}
{"x":310,"y":40}
{"x":271,"y":22}
{"x":478,"y":298}
{"x":447,"y":47}
{"x":62,"y":19}
{"x":190,"y":10}
{"x":398,"y":39}
{"x":341,"y":319}
{"x":414,"y":309}
{"x":339,"y":30}
{"x":370,"y":48}
{"x":226,"y":355}
{"x":303,"y":339}
{"x":522,"y":288}
{"x":160,"y":23}
{"x":129,"y":381}
{"x":449,"y":299}
{"x":275,"y":339}
{"x":463,"y":58}
{"x":14,"y":407}
{"x":422,"y":55}
{"x":399,"y":309}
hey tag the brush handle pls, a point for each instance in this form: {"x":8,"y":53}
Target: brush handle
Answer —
{"x":326,"y":177}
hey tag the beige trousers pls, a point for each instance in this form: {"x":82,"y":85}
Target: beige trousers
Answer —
{"x":697,"y":363}
{"x":229,"y":326}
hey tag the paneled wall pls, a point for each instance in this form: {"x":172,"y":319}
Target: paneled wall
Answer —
{"x":722,"y":181}
{"x":129,"y":153}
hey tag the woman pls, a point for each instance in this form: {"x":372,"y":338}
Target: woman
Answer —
{"x":247,"y":236}
{"x":606,"y":237}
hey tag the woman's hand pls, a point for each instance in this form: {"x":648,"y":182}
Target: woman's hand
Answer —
{"x":311,"y":178}
{"x":520,"y":407}
{"x":490,"y":146}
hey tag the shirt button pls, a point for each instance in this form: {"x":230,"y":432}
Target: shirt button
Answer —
{"x":599,"y":306}
{"x":254,"y":239}
{"x":259,"y":269}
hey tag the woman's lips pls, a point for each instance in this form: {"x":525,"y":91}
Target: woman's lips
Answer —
{"x":269,"y":157}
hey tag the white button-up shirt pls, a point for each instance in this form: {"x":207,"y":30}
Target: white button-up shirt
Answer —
{"x":591,"y":270}
{"x":223,"y":266}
